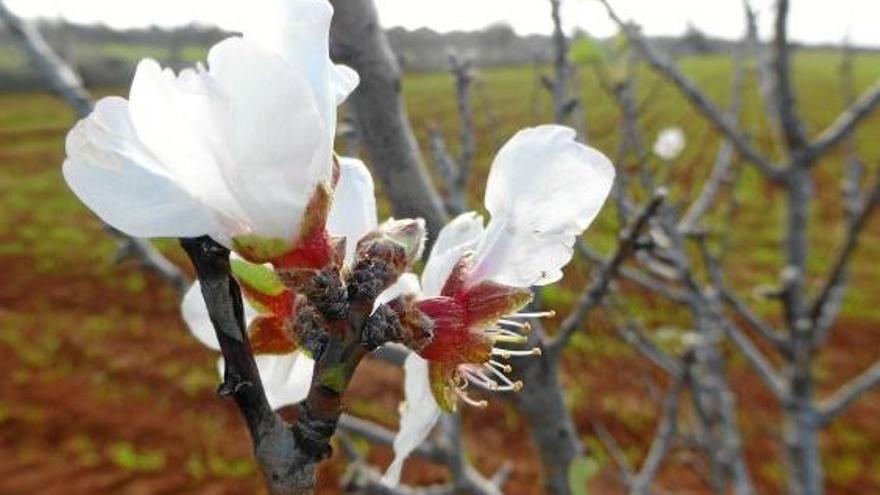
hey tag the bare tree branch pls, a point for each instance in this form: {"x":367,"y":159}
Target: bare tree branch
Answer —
{"x":846,"y":122}
{"x":838,"y":402}
{"x":702,"y":103}
{"x":783,"y":90}
{"x":724,"y":158}
{"x":378,"y":434}
{"x":357,"y":39}
{"x":639,"y":278}
{"x":593,"y":294}
{"x":464,"y":78}
{"x":828,"y":301}
{"x":69,"y":87}
{"x":667,"y":428}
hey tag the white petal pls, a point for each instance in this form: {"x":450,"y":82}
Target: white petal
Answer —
{"x":178,"y":119}
{"x":543,"y":191}
{"x":286,"y":379}
{"x":670,"y":143}
{"x":457,"y":238}
{"x":278,"y":146}
{"x":344,"y":80}
{"x":407,"y":283}
{"x":299,"y":30}
{"x":195,"y":314}
{"x":420,"y":414}
{"x":114,"y":174}
{"x":353,"y":213}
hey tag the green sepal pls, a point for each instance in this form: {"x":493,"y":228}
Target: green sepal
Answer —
{"x":260,"y":249}
{"x":440,"y":376}
{"x":256,"y":277}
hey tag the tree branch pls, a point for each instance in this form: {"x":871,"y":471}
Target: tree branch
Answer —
{"x":69,"y":87}
{"x":667,"y":428}
{"x":836,"y":404}
{"x":357,"y":39}
{"x":830,"y":297}
{"x":287,"y":467}
{"x":724,"y":159}
{"x":846,"y":122}
{"x":786,"y":104}
{"x":593,"y":294}
{"x":697,"y":98}
{"x":379,"y":434}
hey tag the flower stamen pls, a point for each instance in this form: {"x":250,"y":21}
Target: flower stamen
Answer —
{"x":506,"y":368}
{"x":507,"y":353}
{"x":468,"y":400}
{"x":536,"y":314}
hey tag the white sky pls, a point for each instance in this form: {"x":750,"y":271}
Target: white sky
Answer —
{"x":811,"y":20}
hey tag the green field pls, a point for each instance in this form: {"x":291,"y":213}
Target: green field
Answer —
{"x":103,"y":386}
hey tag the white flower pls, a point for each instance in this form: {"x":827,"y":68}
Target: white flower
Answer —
{"x":287,"y":375}
{"x":237,"y":149}
{"x":544,"y":190}
{"x":670,"y":143}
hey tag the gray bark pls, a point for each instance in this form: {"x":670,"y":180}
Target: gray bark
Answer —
{"x":357,"y":39}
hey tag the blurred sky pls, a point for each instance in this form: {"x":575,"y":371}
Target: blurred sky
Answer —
{"x":811,"y":20}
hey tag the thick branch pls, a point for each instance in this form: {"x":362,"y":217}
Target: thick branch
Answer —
{"x":287,"y":467}
{"x":357,"y":39}
{"x":461,"y":70}
{"x":560,"y":65}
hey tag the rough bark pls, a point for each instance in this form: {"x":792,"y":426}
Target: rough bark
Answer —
{"x":357,"y":39}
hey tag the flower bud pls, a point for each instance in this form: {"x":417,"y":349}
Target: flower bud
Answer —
{"x":400,"y":241}
{"x":400,"y":321}
{"x":384,"y":255}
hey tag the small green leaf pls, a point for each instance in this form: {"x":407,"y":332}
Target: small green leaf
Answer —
{"x":260,"y":249}
{"x":585,"y":51}
{"x":257,"y":277}
{"x":581,"y":471}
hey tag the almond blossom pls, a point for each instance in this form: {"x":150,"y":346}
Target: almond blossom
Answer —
{"x":240,"y":150}
{"x":543,"y":191}
{"x":270,"y":307}
{"x":670,"y":143}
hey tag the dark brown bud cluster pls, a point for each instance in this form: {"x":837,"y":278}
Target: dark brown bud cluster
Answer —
{"x":398,"y":321}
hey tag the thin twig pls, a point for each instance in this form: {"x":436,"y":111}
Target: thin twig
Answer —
{"x":829,"y":299}
{"x":838,"y":402}
{"x":667,"y":428}
{"x":785,"y":102}
{"x":700,"y":101}
{"x":724,"y":159}
{"x":846,"y":122}
{"x":65,"y":83}
{"x":593,"y":294}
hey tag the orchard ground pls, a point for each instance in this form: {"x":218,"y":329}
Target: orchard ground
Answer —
{"x":104,"y":391}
